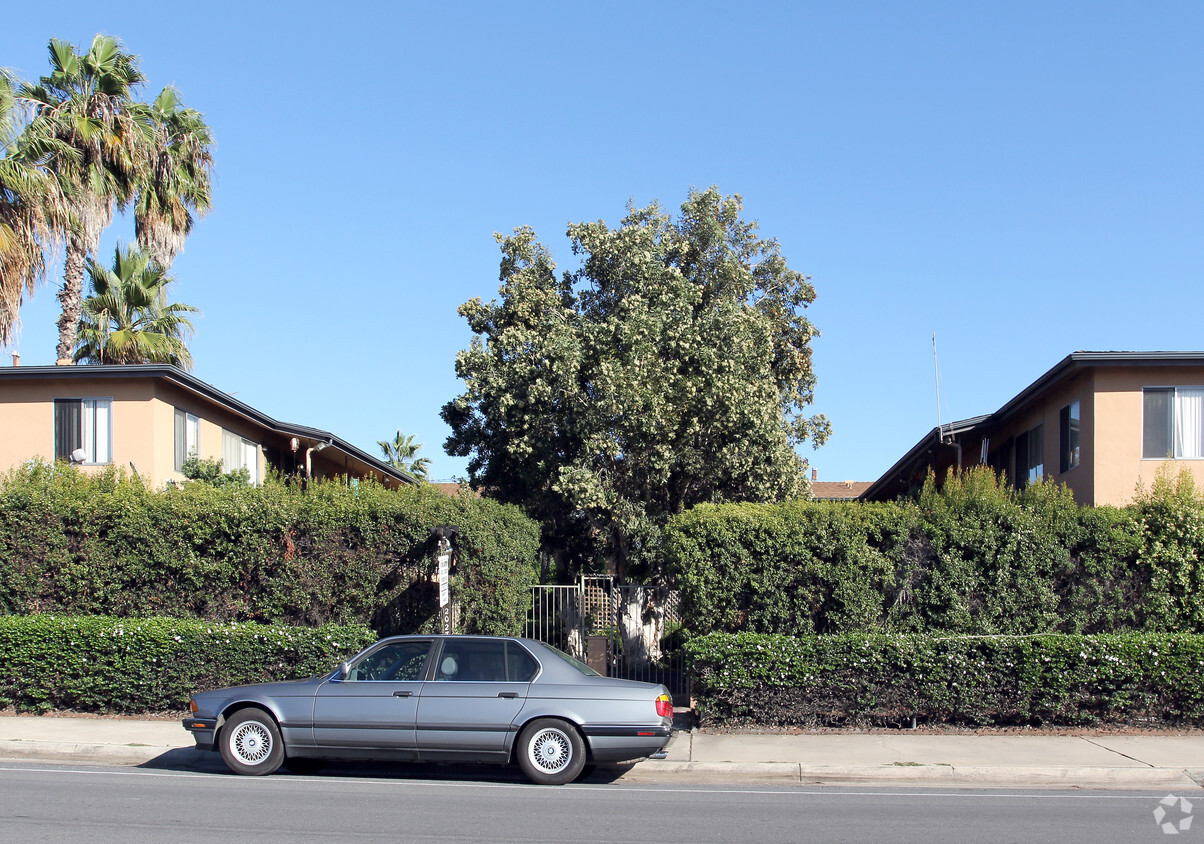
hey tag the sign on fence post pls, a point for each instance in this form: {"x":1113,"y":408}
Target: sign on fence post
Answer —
{"x":444,"y":585}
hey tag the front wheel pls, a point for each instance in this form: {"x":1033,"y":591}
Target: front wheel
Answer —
{"x":250,"y":743}
{"x":550,"y":752}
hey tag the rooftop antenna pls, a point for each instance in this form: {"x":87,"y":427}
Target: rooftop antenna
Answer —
{"x":936,"y":366}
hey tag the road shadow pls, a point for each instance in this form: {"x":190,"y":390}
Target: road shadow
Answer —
{"x":193,"y":760}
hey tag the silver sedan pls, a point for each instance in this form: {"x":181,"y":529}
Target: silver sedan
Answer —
{"x":444,"y":698}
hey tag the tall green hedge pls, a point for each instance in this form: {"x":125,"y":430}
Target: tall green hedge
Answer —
{"x":887,"y":680}
{"x":975,"y":557}
{"x":154,"y":664}
{"x":106,"y":544}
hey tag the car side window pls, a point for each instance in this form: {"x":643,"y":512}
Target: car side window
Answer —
{"x":396,"y":662}
{"x":472,"y":661}
{"x":520,"y":665}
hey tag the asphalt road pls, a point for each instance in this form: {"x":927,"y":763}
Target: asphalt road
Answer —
{"x":43,"y":802}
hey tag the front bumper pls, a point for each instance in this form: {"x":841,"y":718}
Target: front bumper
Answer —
{"x":203,"y":730}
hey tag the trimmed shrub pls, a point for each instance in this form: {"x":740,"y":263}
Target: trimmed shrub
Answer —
{"x":886,"y":680}
{"x":99,"y":664}
{"x":106,"y":544}
{"x":975,"y":557}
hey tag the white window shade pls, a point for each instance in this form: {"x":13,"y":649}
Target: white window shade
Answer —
{"x":1189,"y":422}
{"x":250,"y":459}
{"x":97,"y":443}
{"x":238,"y":453}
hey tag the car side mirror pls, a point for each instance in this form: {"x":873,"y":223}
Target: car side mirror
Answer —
{"x":343,"y":670}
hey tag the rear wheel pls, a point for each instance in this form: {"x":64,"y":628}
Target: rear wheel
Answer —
{"x":550,"y":752}
{"x":250,"y":743}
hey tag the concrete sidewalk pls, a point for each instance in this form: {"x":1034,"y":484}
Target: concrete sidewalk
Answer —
{"x":1153,"y":762}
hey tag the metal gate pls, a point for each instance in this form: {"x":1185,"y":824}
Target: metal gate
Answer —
{"x":619,"y":630}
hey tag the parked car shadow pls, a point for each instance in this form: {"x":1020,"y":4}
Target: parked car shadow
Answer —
{"x":193,"y":760}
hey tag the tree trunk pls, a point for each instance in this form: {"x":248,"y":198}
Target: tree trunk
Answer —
{"x":71,"y":300}
{"x":641,"y":624}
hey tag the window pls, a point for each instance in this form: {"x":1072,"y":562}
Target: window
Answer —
{"x":477,"y":661}
{"x":188,"y":438}
{"x":397,"y":662}
{"x":83,"y":424}
{"x":1172,"y":423}
{"x":1068,"y":428}
{"x":520,"y":665}
{"x":238,"y":453}
{"x":1030,"y":460}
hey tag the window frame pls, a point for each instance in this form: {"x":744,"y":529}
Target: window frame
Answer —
{"x":1070,"y":436}
{"x":246,"y":448}
{"x":376,"y":653}
{"x":191,"y":448}
{"x":1171,"y":421}
{"x":508,"y":646}
{"x":1024,"y":448}
{"x":90,"y":450}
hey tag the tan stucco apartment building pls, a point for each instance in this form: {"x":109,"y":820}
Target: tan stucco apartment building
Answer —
{"x":148,"y":418}
{"x":1099,"y":422}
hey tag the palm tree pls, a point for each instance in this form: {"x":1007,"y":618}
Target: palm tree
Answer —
{"x":176,"y":183}
{"x":128,"y":319}
{"x":31,"y":215}
{"x":402,"y":454}
{"x":85,"y":106}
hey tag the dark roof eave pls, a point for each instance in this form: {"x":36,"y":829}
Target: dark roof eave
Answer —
{"x":931,"y":439}
{"x":1061,"y":369}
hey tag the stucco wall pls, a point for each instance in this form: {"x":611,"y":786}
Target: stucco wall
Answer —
{"x":27,"y":420}
{"x":1046,"y":411}
{"x":1118,"y":428}
{"x":143,"y":423}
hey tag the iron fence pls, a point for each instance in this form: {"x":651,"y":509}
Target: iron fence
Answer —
{"x":621,"y":630}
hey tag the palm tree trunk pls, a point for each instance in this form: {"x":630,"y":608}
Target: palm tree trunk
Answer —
{"x":71,"y":300}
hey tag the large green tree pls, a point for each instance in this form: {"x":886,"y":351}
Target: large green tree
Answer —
{"x":128,"y":319}
{"x":672,"y":368}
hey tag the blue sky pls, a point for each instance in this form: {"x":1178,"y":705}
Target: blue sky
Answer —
{"x":1023,"y":179}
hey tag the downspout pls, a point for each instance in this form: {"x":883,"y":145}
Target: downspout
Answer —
{"x":958,"y":448}
{"x":308,"y":454}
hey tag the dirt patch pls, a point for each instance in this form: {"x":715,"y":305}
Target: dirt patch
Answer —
{"x":71,"y":713}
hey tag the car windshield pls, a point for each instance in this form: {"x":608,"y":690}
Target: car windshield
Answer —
{"x":576,"y":663}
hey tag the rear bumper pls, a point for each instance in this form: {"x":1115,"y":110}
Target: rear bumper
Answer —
{"x":203,"y":730}
{"x":619,"y":744}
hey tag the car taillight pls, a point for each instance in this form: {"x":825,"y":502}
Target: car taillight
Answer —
{"x":664,"y":706}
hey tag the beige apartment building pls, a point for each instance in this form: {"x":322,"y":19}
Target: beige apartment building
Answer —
{"x":1099,"y":422}
{"x":149,"y":418}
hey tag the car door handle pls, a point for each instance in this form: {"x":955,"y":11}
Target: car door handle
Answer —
{"x":508,"y":695}
{"x":403,"y":694}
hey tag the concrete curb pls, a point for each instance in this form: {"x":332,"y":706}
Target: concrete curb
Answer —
{"x":913,"y":775}
{"x":112,"y":754}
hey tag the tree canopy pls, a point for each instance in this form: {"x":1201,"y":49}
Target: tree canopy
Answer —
{"x":89,"y":148}
{"x":672,"y":367}
{"x":402,"y":453}
{"x":128,"y":319}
